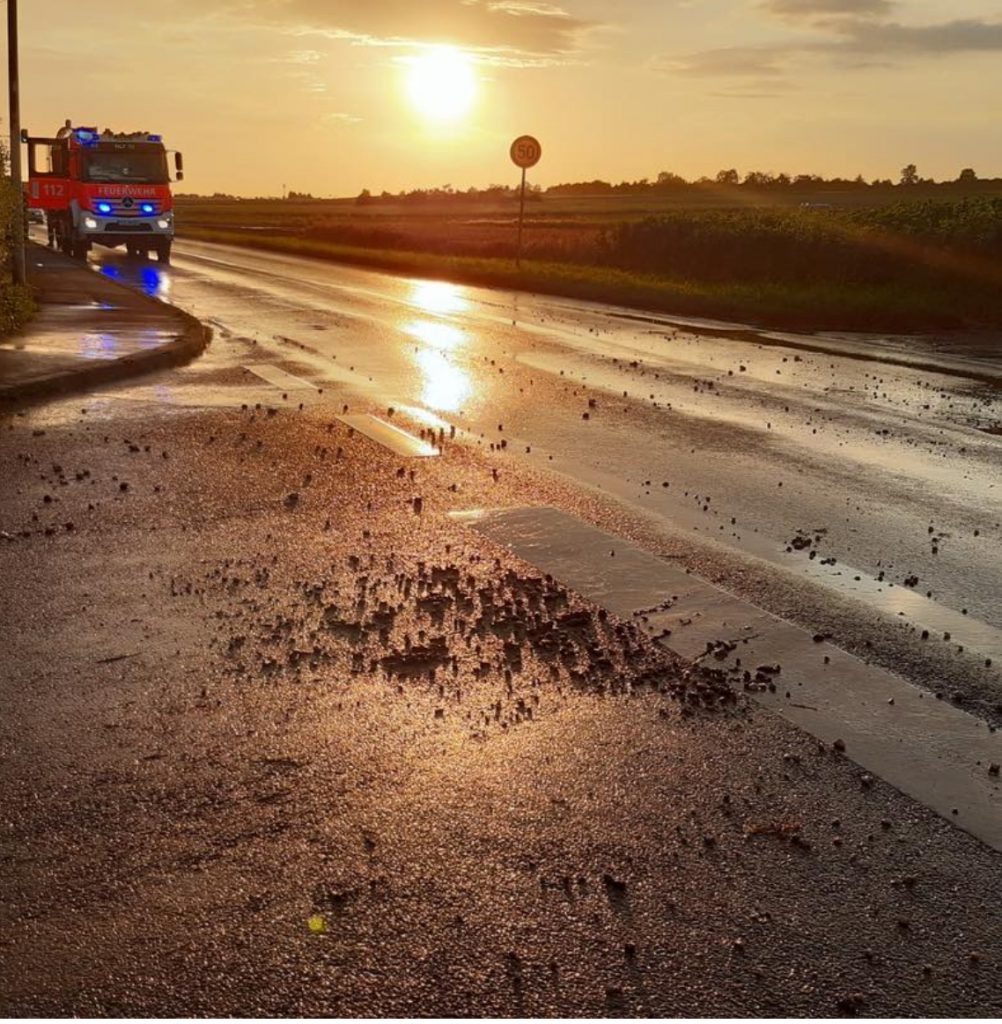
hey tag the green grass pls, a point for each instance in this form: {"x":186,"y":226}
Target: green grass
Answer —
{"x":16,"y":302}
{"x":920,"y":264}
{"x":893,"y":306}
{"x":16,"y":307}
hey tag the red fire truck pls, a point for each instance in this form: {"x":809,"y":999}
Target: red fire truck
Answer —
{"x":112,"y":188}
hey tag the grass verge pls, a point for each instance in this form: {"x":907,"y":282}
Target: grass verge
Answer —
{"x":889,"y":307}
{"x":16,"y":307}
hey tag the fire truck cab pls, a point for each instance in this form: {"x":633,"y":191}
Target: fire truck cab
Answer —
{"x":103,"y":187}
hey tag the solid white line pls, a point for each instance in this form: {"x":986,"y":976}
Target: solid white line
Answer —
{"x":928,"y":749}
{"x":279,"y":378}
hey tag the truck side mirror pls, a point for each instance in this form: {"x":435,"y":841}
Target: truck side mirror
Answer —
{"x":179,"y":176}
{"x":178,"y":162}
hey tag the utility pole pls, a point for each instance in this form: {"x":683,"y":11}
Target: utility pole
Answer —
{"x":17,"y":255}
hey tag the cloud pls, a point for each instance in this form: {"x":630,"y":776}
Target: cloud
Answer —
{"x":815,"y":8}
{"x":961,"y":36}
{"x":743,"y":61}
{"x":846,"y":33}
{"x":521,"y":26}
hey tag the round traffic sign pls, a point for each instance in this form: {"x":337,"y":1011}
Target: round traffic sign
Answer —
{"x":525,"y":151}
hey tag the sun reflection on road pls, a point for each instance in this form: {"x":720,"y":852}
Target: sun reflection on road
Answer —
{"x":438,"y":297}
{"x":446,"y":386}
{"x":435,"y":333}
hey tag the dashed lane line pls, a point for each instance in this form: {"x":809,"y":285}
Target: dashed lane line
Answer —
{"x":389,"y":436}
{"x":927,"y":748}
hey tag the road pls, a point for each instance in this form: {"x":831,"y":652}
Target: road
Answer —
{"x":753,"y":463}
{"x":286,"y":734}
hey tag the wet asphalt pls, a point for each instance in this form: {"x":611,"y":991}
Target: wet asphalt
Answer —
{"x":281,"y":737}
{"x":858,"y":498}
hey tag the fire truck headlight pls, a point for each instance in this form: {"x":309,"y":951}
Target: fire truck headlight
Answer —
{"x":163,"y":224}
{"x":90,"y":222}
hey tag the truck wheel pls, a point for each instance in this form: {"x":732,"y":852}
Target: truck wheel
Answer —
{"x":163,"y":252}
{"x":79,"y":248}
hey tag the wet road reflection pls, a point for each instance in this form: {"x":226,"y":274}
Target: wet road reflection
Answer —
{"x":149,"y":278}
{"x":742,"y":445}
{"x":446,"y":387}
{"x":439,"y":297}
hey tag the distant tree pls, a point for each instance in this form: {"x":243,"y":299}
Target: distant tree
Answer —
{"x":668,"y":179}
{"x":364,"y":198}
{"x":727,"y":177}
{"x":967,"y":176}
{"x":758,"y":179}
{"x":910,"y":175}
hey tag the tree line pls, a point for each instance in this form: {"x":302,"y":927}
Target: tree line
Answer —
{"x":667,"y":183}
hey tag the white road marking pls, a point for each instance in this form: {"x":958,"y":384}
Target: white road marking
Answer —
{"x":928,"y":749}
{"x":279,"y":378}
{"x":389,"y":436}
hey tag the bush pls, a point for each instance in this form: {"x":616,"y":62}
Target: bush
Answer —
{"x":16,"y":304}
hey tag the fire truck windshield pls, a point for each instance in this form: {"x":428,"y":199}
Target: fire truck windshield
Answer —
{"x":126,"y":163}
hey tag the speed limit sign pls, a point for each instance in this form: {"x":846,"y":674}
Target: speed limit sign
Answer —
{"x":525,"y":151}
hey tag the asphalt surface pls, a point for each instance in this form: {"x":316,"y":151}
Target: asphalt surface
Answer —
{"x":283,"y":737}
{"x":858,"y":499}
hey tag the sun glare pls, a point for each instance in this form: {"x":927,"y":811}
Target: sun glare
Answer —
{"x":441,"y":85}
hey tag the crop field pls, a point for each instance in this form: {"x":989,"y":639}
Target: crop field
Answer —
{"x":918,"y":264}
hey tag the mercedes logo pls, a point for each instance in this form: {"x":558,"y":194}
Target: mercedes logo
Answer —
{"x":128,"y":202}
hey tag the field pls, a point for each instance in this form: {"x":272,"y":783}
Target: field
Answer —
{"x":798,"y":260}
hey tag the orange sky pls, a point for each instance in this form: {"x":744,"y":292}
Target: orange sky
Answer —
{"x":313,"y":94}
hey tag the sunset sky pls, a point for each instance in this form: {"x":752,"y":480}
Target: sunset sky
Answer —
{"x":321,"y":95}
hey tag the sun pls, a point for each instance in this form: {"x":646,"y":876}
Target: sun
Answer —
{"x":441,"y":85}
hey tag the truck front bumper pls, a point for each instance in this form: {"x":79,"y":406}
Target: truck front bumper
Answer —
{"x":124,"y":229}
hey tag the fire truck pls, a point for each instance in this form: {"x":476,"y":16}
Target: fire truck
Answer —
{"x":104,"y":187}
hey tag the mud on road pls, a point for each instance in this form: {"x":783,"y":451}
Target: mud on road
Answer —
{"x":282,"y":738}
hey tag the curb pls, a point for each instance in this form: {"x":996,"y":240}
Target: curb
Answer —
{"x":190,"y":343}
{"x":982,"y":374}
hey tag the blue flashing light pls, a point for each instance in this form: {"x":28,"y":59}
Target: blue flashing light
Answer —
{"x":86,"y":136}
{"x":148,"y":208}
{"x":154,"y":138}
{"x":104,"y":208}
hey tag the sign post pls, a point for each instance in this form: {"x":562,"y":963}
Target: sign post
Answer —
{"x":525,"y":152}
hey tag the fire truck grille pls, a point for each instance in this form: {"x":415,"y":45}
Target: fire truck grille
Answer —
{"x":127,"y":226}
{"x":121,"y":207}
